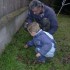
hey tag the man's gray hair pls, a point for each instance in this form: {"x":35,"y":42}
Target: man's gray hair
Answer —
{"x":35,"y":3}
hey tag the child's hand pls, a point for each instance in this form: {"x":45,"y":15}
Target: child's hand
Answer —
{"x":38,"y":54}
{"x":26,"y":46}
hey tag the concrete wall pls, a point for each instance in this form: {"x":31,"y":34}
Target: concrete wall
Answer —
{"x":9,"y":25}
{"x":8,"y":6}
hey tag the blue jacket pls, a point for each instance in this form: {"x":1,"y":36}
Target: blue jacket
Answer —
{"x":47,"y":13}
{"x":42,"y":42}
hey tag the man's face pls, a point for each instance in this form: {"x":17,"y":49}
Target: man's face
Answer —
{"x":37,"y":10}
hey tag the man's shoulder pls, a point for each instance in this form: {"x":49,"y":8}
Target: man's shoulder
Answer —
{"x":30,"y":12}
{"x":48,"y":9}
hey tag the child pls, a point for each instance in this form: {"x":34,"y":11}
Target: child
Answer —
{"x":43,"y":41}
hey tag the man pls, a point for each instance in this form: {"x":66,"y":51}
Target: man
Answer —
{"x":44,"y":15}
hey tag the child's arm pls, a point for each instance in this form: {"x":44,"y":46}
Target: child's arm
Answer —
{"x":30,"y":43}
{"x":45,"y":49}
{"x":26,"y":46}
{"x":38,"y":55}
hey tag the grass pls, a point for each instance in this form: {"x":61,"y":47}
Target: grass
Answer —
{"x":15,"y":57}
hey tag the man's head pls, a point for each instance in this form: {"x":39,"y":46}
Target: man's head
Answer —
{"x":33,"y":28}
{"x":36,"y":6}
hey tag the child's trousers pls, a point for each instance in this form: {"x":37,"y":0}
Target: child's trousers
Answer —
{"x":49,"y":54}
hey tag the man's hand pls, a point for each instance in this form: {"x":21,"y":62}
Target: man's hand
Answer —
{"x":38,"y":54}
{"x":26,"y":46}
{"x":25,"y":25}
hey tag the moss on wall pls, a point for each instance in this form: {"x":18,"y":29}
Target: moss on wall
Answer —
{"x":4,"y":20}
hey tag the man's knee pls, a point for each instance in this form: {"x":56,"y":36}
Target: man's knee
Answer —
{"x":45,"y":24}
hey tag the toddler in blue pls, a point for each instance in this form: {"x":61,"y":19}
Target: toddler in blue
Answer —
{"x":43,"y":41}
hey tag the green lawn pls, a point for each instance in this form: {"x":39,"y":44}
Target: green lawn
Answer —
{"x":15,"y":57}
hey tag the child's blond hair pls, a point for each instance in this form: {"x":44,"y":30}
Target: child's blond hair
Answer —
{"x":33,"y":27}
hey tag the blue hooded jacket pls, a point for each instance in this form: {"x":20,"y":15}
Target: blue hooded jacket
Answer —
{"x":47,"y":13}
{"x":42,"y":42}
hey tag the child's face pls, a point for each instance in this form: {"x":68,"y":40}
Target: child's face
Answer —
{"x":32,"y":33}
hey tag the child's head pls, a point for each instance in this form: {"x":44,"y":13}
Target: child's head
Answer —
{"x":33,"y":28}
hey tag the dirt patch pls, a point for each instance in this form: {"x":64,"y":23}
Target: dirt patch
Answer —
{"x":66,"y":59}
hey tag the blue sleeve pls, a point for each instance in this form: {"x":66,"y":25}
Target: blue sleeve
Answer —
{"x":30,"y":43}
{"x":38,"y":43}
{"x":53,"y":21}
{"x":30,"y":17}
